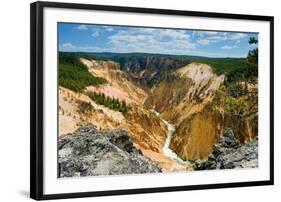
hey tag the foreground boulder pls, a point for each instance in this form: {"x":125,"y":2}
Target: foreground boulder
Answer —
{"x":229,"y":153}
{"x":90,"y":152}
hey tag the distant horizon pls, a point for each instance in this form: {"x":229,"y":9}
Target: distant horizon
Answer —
{"x":107,"y":52}
{"x":167,"y":41}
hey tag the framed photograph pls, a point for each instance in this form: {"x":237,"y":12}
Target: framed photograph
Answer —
{"x":136,"y":100}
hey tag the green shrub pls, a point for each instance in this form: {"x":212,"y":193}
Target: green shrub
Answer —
{"x":109,"y":102}
{"x":74,"y":75}
{"x":236,"y":90}
{"x":234,"y":105}
{"x":85,"y":107}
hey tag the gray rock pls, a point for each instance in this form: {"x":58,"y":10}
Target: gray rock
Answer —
{"x":228,"y":153}
{"x":90,"y":152}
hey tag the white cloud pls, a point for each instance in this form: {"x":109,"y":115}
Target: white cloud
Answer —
{"x":68,"y":47}
{"x":238,"y":36}
{"x":109,"y":29}
{"x":227,"y":47}
{"x":95,"y":33}
{"x":211,"y":33}
{"x":82,"y":27}
{"x":154,"y":40}
{"x":151,"y":40}
{"x":209,"y":37}
{"x":174,"y":34}
{"x":218,"y":38}
{"x":204,"y":41}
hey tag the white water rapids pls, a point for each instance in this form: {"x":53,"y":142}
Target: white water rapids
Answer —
{"x":166,"y":148}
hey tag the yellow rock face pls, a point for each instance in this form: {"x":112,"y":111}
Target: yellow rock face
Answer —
{"x":196,"y":135}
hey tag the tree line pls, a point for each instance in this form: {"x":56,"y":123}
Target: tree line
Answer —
{"x":109,"y":102}
{"x":74,"y":75}
{"x":239,"y":94}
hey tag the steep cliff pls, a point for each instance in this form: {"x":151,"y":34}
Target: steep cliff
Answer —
{"x":119,"y":83}
{"x":192,"y":101}
{"x":195,"y":136}
{"x":192,"y":88}
{"x":150,"y":69}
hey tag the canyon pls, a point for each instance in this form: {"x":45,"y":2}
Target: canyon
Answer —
{"x":173,"y":118}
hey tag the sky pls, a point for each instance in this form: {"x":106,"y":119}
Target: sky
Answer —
{"x":124,"y":39}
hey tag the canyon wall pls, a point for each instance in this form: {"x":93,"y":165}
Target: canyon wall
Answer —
{"x":188,"y":102}
{"x":185,"y":94}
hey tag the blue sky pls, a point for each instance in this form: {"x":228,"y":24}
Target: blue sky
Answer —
{"x":122,"y":39}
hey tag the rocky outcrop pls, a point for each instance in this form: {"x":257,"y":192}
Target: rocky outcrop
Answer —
{"x":229,"y":153}
{"x":90,"y":152}
{"x":244,"y":128}
{"x":195,"y":136}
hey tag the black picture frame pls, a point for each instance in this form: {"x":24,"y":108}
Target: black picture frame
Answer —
{"x":37,"y":99}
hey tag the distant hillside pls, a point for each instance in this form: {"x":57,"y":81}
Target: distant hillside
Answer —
{"x":74,"y":75}
{"x":222,"y":65}
{"x":219,"y":65}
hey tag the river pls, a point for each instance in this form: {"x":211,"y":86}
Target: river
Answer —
{"x":166,"y":148}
